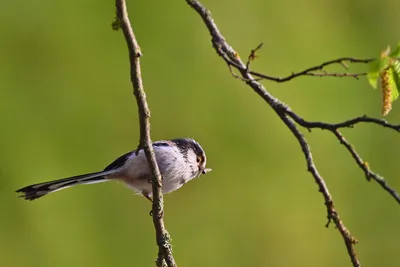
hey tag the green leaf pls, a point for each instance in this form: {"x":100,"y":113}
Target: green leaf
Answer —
{"x":379,"y":64}
{"x":373,"y":79}
{"x":396,"y":52}
{"x":396,"y":66}
{"x":376,"y":67}
{"x":395,"y":93}
{"x":395,"y":81}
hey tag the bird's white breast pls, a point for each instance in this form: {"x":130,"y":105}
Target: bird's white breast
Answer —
{"x":173,"y":168}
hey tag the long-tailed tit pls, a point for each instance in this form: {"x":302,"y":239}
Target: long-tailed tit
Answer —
{"x":179,"y":161}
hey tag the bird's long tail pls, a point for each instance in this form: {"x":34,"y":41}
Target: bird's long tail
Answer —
{"x":35,"y":191}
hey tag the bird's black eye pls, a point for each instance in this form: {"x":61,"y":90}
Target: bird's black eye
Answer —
{"x":199,"y":159}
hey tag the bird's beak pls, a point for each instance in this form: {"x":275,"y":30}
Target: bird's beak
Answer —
{"x":206,"y":170}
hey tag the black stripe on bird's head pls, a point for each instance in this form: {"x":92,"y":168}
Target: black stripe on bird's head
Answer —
{"x":186,"y":144}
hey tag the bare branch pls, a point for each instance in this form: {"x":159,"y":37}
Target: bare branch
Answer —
{"x":319,"y":70}
{"x":364,"y":166}
{"x":316,"y":71}
{"x":337,"y":74}
{"x":230,"y":56}
{"x":162,"y":236}
{"x":346,"y":124}
{"x":333,"y":215}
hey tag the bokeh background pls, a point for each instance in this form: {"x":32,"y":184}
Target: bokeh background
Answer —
{"x":66,"y":107}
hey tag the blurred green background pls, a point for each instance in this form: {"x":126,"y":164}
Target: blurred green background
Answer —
{"x":67,"y":108}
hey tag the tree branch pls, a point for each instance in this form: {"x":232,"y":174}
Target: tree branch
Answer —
{"x":333,"y":215}
{"x":162,"y":236}
{"x":290,"y":118}
{"x":334,"y":128}
{"x":318,"y":70}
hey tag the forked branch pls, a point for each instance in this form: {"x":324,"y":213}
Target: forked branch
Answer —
{"x":290,"y":118}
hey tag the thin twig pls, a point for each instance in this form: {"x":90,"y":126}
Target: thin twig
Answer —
{"x":365,"y":167}
{"x":252,"y":55}
{"x":316,"y":71}
{"x":345,"y":124}
{"x":337,"y":74}
{"x":312,"y":71}
{"x":162,"y":236}
{"x":369,"y":174}
{"x":231,"y":57}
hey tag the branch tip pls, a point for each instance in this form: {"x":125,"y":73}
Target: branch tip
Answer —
{"x":252,"y":56}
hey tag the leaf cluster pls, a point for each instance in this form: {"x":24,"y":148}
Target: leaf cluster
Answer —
{"x":385,"y":74}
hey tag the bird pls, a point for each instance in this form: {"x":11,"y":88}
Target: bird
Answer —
{"x":179,"y":160}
